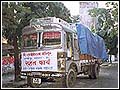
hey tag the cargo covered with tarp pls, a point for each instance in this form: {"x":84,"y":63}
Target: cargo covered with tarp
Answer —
{"x":90,"y":43}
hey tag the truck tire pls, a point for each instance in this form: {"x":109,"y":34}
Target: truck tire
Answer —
{"x":71,"y":78}
{"x":95,"y":71}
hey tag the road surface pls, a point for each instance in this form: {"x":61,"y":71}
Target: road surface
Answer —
{"x":108,"y":78}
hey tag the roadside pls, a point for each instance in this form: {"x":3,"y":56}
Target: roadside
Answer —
{"x":8,"y":81}
{"x":8,"y":78}
{"x":108,"y":63}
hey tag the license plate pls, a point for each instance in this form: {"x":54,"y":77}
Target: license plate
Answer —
{"x":37,"y":80}
{"x":36,"y":73}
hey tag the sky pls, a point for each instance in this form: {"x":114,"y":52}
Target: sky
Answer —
{"x":73,"y":6}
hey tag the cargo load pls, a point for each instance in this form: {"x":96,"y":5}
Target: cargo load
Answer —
{"x":90,"y":43}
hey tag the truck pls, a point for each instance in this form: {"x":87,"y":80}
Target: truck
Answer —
{"x":52,"y":51}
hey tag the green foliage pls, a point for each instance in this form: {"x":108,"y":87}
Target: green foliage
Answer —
{"x":17,"y":15}
{"x":75,"y":18}
{"x":12,"y":17}
{"x":93,"y":29}
{"x":51,"y":9}
{"x":107,"y":26}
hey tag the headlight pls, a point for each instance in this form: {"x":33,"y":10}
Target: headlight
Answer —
{"x":61,"y":55}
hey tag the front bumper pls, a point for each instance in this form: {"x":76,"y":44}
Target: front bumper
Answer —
{"x":45,"y":76}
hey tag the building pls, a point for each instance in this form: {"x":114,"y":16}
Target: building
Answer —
{"x":84,"y":17}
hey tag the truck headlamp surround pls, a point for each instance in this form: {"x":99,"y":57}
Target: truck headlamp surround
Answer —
{"x":61,"y":55}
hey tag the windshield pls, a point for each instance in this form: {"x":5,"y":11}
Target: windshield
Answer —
{"x":51,"y":38}
{"x":30,"y":40}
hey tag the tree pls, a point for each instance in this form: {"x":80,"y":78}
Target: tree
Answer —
{"x":12,"y":16}
{"x":16,"y":15}
{"x":107,"y":26}
{"x":75,"y":18}
{"x":51,"y":9}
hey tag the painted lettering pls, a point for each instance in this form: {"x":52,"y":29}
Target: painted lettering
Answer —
{"x":44,"y":62}
{"x":30,"y":63}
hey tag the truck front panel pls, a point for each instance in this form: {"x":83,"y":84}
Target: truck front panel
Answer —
{"x":39,"y":61}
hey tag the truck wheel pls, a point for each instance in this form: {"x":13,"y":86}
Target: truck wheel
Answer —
{"x":95,"y":71}
{"x":91,"y":76}
{"x":71,"y":78}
